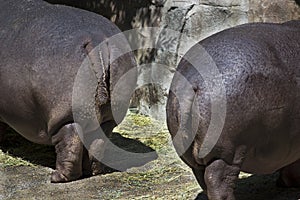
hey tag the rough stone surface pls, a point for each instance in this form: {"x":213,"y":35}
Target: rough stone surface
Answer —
{"x":273,"y":11}
{"x":194,"y":20}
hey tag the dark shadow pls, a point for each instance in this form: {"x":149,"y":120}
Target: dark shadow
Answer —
{"x":115,"y":157}
{"x":201,"y":196}
{"x":122,"y":13}
{"x":15,"y":145}
{"x":264,"y":187}
{"x":298,"y":2}
{"x":261,"y":187}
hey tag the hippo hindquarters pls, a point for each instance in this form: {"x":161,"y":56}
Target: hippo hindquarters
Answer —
{"x":260,"y":134}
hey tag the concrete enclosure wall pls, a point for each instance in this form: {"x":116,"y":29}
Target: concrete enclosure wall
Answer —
{"x":179,"y":24}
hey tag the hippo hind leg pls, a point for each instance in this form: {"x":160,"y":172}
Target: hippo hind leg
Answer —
{"x":93,"y":152}
{"x":290,"y":175}
{"x":220,"y":177}
{"x":69,"y":150}
{"x":99,"y":146}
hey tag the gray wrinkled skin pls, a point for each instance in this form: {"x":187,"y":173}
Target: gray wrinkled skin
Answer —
{"x":259,"y":65}
{"x":42,"y":48}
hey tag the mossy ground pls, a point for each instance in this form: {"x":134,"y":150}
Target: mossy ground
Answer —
{"x":25,"y":172}
{"x":8,"y":160}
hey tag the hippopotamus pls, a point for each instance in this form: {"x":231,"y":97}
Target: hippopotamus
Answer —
{"x":43,"y":47}
{"x":234,"y":106}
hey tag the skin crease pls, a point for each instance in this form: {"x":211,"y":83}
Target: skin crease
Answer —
{"x":259,"y":66}
{"x":43,"y":47}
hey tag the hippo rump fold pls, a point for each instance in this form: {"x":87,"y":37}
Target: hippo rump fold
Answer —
{"x":43,"y":47}
{"x":257,"y":65}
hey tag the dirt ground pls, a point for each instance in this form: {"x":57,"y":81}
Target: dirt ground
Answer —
{"x":25,"y":171}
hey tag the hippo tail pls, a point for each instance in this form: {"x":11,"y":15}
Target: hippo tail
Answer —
{"x":122,"y":75}
{"x":180,"y":105}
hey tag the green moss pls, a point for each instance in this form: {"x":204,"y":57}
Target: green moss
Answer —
{"x":145,"y":129}
{"x":157,"y":141}
{"x":140,"y":120}
{"x":7,"y":160}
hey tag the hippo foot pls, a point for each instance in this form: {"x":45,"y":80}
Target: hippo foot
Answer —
{"x":58,"y":177}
